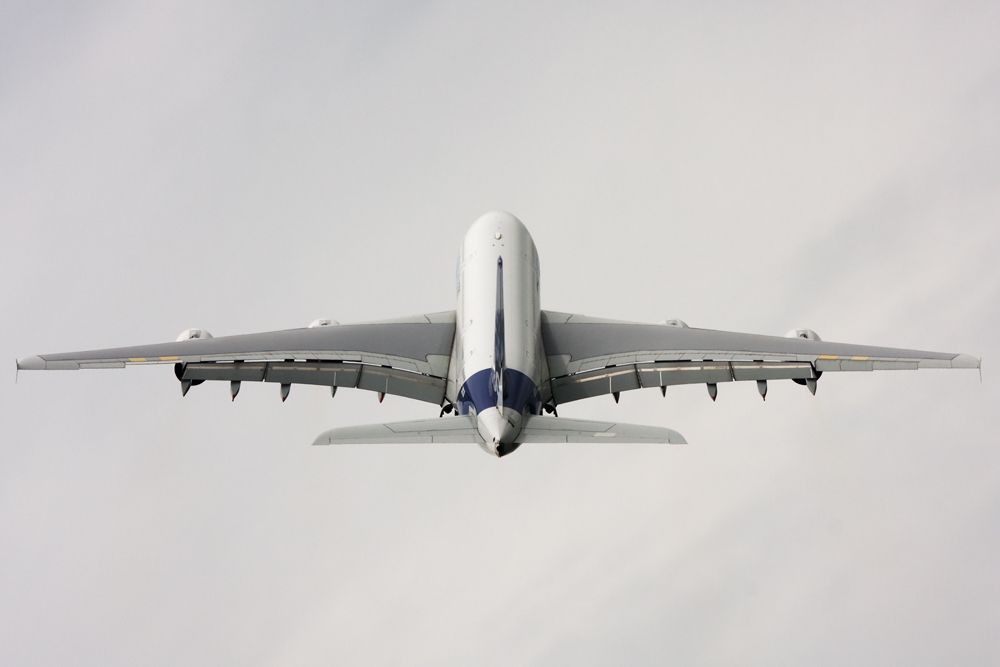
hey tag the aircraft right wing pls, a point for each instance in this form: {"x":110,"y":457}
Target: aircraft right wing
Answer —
{"x":408,"y":357}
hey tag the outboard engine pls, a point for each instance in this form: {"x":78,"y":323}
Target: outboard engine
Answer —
{"x":807,"y":334}
{"x":192,"y":334}
{"x":189,"y":334}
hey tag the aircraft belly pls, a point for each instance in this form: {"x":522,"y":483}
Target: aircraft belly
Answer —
{"x":477,"y":316}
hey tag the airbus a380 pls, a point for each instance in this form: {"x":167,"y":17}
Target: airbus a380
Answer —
{"x":499,"y":366}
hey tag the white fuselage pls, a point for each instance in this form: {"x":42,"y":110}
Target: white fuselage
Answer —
{"x":497,"y":375}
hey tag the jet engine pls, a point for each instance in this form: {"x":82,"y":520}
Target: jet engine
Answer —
{"x":808,"y":334}
{"x":192,"y":334}
{"x":323,"y":323}
{"x":189,"y":334}
{"x":680,"y":324}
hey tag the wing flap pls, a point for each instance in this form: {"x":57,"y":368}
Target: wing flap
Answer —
{"x":640,"y":376}
{"x":325,"y":373}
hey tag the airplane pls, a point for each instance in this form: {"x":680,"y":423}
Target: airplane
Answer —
{"x":499,"y":366}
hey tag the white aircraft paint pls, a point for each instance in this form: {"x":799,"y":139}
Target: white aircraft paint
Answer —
{"x":498,"y":236}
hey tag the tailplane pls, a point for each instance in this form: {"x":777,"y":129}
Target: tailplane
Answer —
{"x":443,"y":429}
{"x":538,"y":428}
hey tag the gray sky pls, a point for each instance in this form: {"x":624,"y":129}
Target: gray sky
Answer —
{"x":749,"y":167}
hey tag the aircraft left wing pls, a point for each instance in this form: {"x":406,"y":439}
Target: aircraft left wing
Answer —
{"x":590,"y":356}
{"x":408,"y":357}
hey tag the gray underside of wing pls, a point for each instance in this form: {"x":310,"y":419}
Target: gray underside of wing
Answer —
{"x":420,"y":344}
{"x":590,"y":356}
{"x":459,"y":429}
{"x":542,"y":429}
{"x":408,"y":357}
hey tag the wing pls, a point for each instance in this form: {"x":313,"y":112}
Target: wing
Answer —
{"x":590,"y":357}
{"x":408,"y":357}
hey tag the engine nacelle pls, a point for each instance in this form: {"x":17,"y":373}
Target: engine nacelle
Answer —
{"x":193,"y":334}
{"x":808,"y":334}
{"x":189,"y":334}
{"x":680,"y":324}
{"x":323,"y":323}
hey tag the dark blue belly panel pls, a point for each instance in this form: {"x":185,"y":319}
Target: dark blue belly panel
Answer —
{"x":479,"y":392}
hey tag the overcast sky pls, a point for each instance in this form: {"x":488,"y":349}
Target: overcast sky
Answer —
{"x":745,"y":166}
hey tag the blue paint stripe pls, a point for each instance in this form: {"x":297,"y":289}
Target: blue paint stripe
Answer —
{"x":479,"y":392}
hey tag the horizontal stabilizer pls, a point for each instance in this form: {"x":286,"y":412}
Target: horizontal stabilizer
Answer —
{"x":462,"y":429}
{"x":560,"y":429}
{"x":443,"y":429}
